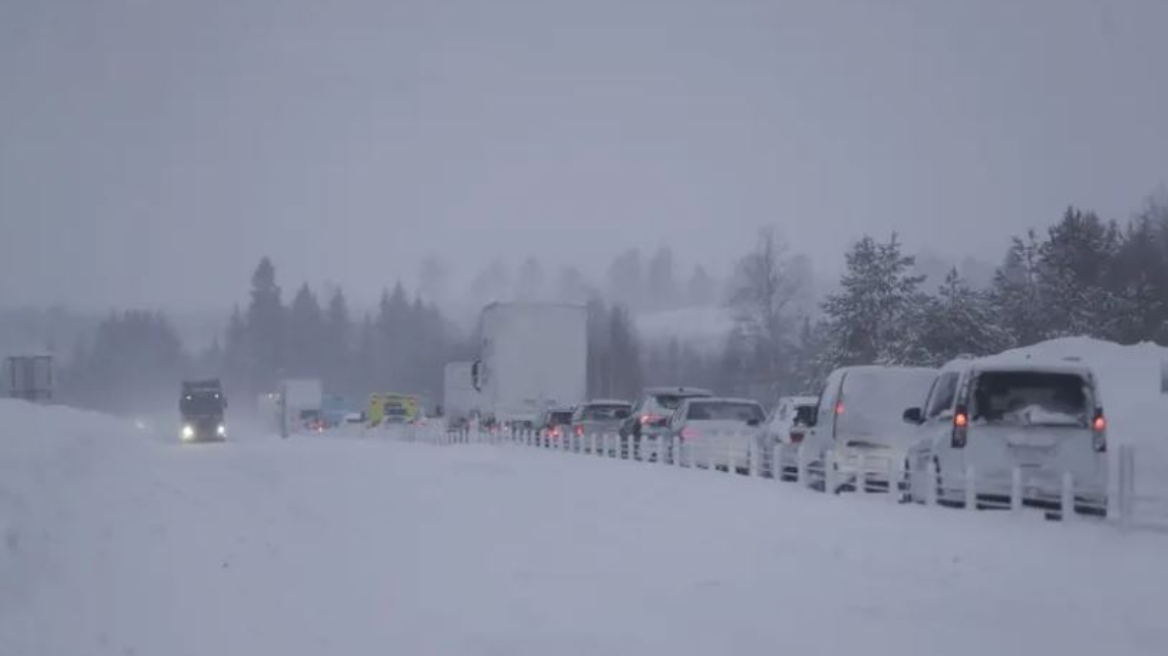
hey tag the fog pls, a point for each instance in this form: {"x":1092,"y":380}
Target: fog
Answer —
{"x":152,"y":151}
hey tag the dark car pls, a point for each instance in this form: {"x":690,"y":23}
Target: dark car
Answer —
{"x":554,"y":423}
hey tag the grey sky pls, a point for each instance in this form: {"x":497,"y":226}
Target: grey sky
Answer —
{"x":151,"y":151}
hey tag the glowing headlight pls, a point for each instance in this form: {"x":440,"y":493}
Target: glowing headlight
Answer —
{"x":188,"y":432}
{"x":221,"y":431}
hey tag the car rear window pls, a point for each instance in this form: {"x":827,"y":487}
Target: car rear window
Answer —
{"x":725,"y":411}
{"x":672,"y":401}
{"x":557,"y":418}
{"x":1031,"y":398}
{"x":605,"y":412}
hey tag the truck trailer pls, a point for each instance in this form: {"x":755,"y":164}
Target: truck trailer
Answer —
{"x":533,"y":356}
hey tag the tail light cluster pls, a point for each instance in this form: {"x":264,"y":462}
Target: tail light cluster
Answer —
{"x":689,"y":433}
{"x":579,"y":430}
{"x":796,"y":436}
{"x":960,"y":427}
{"x":1099,"y":431}
{"x":647,"y":419}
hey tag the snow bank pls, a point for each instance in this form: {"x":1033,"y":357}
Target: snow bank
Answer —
{"x":38,"y":473}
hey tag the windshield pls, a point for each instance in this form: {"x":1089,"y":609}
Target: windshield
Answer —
{"x":1031,"y":398}
{"x":725,"y":411}
{"x":201,"y":404}
{"x":605,"y":412}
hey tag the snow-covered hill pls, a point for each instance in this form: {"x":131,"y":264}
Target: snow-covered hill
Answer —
{"x":125,"y":545}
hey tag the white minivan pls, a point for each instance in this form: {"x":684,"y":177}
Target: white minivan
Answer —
{"x":858,"y":421}
{"x":993,"y":416}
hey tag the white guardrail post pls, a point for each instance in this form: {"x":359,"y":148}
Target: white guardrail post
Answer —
{"x":1016,"y":490}
{"x":930,"y":485}
{"x":894,"y":476}
{"x":1124,"y":502}
{"x":801,"y":465}
{"x":970,"y":488}
{"x":862,"y":473}
{"x":829,"y":483}
{"x":1067,"y":498}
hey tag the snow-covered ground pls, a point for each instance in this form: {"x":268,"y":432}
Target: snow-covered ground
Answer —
{"x":115,"y":542}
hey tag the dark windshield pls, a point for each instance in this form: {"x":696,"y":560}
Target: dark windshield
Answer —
{"x":725,"y":411}
{"x":201,"y":404}
{"x":559,"y":418}
{"x":1031,"y":398}
{"x":605,"y":412}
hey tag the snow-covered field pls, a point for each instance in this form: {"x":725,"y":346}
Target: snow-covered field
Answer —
{"x":115,"y":542}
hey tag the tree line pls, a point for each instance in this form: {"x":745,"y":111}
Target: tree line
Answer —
{"x":1081,"y":276}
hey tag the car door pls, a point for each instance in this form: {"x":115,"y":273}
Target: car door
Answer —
{"x":937,"y":419}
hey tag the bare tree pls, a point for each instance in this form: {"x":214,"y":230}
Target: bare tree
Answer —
{"x":762,"y":298}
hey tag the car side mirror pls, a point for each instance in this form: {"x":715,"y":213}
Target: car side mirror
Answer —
{"x":913,"y":416}
{"x":753,"y":422}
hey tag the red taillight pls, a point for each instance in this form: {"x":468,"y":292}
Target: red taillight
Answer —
{"x":689,"y":434}
{"x":1099,"y":439}
{"x":579,"y":431}
{"x":960,"y":428}
{"x":796,"y":437}
{"x":648,"y":419}
{"x":839,"y":408}
{"x":555,"y":432}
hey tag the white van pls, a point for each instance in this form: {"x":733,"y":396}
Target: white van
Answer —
{"x":859,"y":420}
{"x":995,"y":415}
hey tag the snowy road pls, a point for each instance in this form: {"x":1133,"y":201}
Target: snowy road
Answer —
{"x":341,"y":546}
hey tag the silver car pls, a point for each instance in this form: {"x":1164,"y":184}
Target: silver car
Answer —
{"x":600,"y":417}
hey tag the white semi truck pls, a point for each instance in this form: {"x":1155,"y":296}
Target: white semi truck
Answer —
{"x":533,"y":356}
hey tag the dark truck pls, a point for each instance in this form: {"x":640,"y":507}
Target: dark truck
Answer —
{"x":202,"y":407}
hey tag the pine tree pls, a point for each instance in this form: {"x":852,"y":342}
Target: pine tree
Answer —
{"x":868,"y":318}
{"x":305,"y":335}
{"x":624,"y":355}
{"x":337,"y":346}
{"x":1073,"y":267}
{"x":958,"y":320}
{"x":266,"y":329}
{"x":1015,"y":295}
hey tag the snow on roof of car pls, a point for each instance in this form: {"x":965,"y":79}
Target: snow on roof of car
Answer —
{"x":664,"y":389}
{"x":721,"y":399}
{"x":608,"y":402}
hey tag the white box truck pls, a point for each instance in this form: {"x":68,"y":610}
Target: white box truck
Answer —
{"x":533,"y":356}
{"x":300,"y":405}
{"x":459,"y":396}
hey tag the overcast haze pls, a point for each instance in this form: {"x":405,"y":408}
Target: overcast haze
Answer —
{"x":152,"y":151}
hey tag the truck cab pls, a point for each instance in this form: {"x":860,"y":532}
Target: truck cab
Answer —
{"x":202,"y":407}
